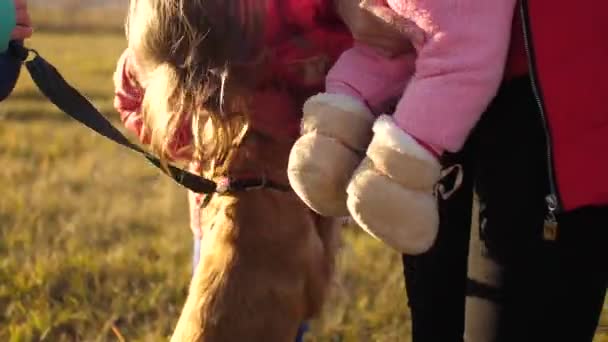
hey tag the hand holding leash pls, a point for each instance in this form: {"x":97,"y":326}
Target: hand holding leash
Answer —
{"x":23,"y":23}
{"x":7,"y":23}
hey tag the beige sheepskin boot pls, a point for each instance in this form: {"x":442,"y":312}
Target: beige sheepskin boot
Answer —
{"x":336,"y":130}
{"x":391,"y":193}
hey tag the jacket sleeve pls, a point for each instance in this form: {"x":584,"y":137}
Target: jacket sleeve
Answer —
{"x":364,"y":74}
{"x":9,"y":73}
{"x":459,"y":66}
{"x":128,"y":97}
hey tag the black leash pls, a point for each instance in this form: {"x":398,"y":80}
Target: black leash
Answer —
{"x":70,"y":101}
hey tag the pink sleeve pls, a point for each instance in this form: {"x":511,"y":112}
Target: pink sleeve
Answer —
{"x":459,"y":66}
{"x":363,"y":73}
{"x":128,"y":96}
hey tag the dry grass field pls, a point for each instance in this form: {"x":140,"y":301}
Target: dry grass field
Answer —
{"x":94,"y":243}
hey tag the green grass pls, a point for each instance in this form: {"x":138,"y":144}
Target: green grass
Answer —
{"x":94,"y":243}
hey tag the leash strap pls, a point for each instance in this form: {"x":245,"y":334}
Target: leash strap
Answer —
{"x":70,"y":101}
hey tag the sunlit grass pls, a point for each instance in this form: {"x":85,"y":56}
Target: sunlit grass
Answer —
{"x":95,"y":243}
{"x":93,"y":240}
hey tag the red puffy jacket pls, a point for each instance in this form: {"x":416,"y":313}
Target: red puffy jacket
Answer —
{"x":567,"y":46}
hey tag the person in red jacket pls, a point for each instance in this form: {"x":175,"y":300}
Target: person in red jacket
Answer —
{"x":538,"y":165}
{"x":541,"y":174}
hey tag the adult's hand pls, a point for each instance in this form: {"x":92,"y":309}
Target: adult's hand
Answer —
{"x":23,"y":29}
{"x":370,"y":30}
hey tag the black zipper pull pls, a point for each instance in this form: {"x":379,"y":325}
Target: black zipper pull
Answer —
{"x":551,"y":226}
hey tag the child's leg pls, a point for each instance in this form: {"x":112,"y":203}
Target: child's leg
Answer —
{"x":196,"y":252}
{"x":543,"y":290}
{"x":511,"y":185}
{"x":436,"y":280}
{"x":573,"y":287}
{"x":303,"y":329}
{"x":195,"y":226}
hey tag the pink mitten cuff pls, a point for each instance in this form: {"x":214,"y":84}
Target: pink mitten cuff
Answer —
{"x":435,"y":150}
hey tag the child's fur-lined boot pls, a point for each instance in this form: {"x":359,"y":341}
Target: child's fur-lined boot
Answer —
{"x":336,"y":130}
{"x":391,"y":193}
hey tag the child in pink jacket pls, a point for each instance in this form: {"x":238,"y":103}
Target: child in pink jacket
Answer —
{"x":442,"y":86}
{"x":300,"y":40}
{"x":312,"y":34}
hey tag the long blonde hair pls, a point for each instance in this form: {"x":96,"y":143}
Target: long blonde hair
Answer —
{"x":189,"y":50}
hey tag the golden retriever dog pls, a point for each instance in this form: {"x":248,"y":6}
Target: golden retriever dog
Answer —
{"x":266,"y":260}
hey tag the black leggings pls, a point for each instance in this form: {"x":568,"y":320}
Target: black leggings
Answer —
{"x":436,"y":280}
{"x":520,"y":287}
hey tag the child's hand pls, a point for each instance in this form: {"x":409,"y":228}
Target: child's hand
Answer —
{"x":369,"y":29}
{"x":23,"y":29}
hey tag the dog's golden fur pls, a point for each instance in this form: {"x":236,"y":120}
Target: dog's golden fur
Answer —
{"x":266,"y":260}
